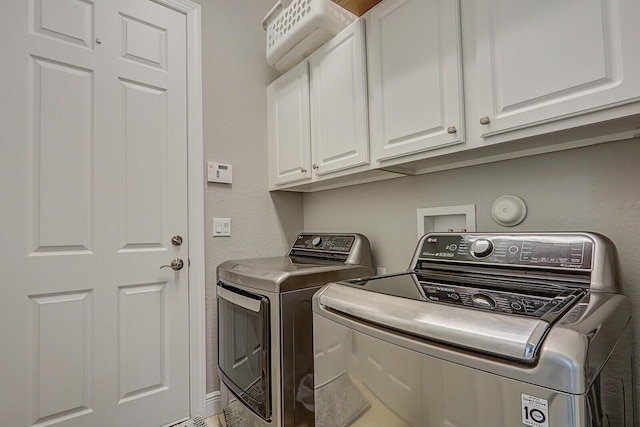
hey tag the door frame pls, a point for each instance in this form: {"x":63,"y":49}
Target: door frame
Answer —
{"x":195,"y":196}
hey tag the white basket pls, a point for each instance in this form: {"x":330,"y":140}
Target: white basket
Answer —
{"x":301,"y":28}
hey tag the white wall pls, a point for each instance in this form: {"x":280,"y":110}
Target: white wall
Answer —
{"x":588,"y":189}
{"x":235,"y":75}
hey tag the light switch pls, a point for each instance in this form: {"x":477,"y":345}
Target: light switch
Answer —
{"x":221,"y":227}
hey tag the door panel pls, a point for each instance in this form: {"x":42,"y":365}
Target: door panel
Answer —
{"x":63,"y":331}
{"x":289,"y":132}
{"x":339,"y":132}
{"x":142,"y":340}
{"x":542,"y":62}
{"x":94,"y":186}
{"x":69,"y":21}
{"x":145,"y":150}
{"x":414,"y":64}
{"x":61,"y":149}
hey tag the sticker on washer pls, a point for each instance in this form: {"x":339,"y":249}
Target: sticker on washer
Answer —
{"x":535,"y":411}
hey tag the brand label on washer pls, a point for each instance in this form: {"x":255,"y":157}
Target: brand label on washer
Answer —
{"x":535,"y":411}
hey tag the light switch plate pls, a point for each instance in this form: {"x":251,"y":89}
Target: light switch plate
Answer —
{"x":221,"y":227}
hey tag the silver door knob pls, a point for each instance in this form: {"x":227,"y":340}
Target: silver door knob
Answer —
{"x":176,"y":240}
{"x":176,"y":264}
{"x":485,"y":120}
{"x":452,"y":129}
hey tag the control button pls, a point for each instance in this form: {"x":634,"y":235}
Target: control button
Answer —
{"x":316,"y":241}
{"x":513,"y":249}
{"x":516,"y":306}
{"x":483,"y":301}
{"x":481,"y":248}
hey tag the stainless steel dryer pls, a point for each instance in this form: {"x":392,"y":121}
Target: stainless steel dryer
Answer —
{"x":484,"y":330}
{"x":265,"y":325}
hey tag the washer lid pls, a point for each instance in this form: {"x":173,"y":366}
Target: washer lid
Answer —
{"x":512,"y":337}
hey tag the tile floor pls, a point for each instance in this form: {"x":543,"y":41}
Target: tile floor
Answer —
{"x":216,"y":421}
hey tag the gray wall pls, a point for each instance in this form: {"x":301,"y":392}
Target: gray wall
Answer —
{"x":589,"y":189}
{"x":594,"y":188}
{"x":235,"y":75}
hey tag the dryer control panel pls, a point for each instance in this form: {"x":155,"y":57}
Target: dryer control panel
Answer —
{"x":324,"y":242}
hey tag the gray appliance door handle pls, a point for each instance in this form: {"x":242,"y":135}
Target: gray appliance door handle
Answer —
{"x":241,"y":300}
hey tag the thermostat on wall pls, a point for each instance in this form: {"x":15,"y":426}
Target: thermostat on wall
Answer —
{"x":218,"y":172}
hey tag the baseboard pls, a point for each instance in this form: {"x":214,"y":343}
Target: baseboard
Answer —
{"x":213,"y":404}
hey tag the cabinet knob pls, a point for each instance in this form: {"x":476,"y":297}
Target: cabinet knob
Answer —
{"x":452,"y":129}
{"x":315,"y":166}
{"x":303,"y":170}
{"x":485,"y":120}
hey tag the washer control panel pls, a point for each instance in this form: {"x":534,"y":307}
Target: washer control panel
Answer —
{"x":494,"y":300}
{"x":572,"y":251}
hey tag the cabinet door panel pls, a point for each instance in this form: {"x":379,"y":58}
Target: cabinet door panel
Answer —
{"x":415,"y":80}
{"x":288,"y":126}
{"x":339,"y":103}
{"x":545,"y":60}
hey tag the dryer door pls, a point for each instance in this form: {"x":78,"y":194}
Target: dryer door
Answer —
{"x":243,"y":341}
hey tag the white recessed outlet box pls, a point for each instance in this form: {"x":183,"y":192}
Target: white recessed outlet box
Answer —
{"x":221,"y":227}
{"x":218,"y":172}
{"x":446,"y":219}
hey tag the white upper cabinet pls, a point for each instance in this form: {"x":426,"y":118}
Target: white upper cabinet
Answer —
{"x":339,"y":133}
{"x":548,"y":74}
{"x":317,"y":114}
{"x":288,"y":127}
{"x":546,"y":60}
{"x":415,"y":77}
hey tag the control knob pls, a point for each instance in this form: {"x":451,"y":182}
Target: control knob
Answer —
{"x":316,"y":241}
{"x":481,"y":248}
{"x":483,"y":301}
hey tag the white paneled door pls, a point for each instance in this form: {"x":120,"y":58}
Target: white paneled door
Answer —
{"x":94,"y":187}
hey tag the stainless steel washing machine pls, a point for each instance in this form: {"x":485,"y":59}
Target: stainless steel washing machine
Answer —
{"x":484,"y":330}
{"x":265,"y":326}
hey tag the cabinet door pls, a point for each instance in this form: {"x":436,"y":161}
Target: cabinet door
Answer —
{"x":545,"y":60}
{"x":415,"y":76}
{"x":339,"y":103}
{"x":288,"y":127}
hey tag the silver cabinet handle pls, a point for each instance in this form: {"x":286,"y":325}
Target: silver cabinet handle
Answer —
{"x":176,"y":240}
{"x":452,"y":129}
{"x":303,"y":171}
{"x":315,"y":166}
{"x":176,"y":264}
{"x":485,"y":120}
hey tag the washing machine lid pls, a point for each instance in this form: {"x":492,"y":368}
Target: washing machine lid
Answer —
{"x":516,"y":337}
